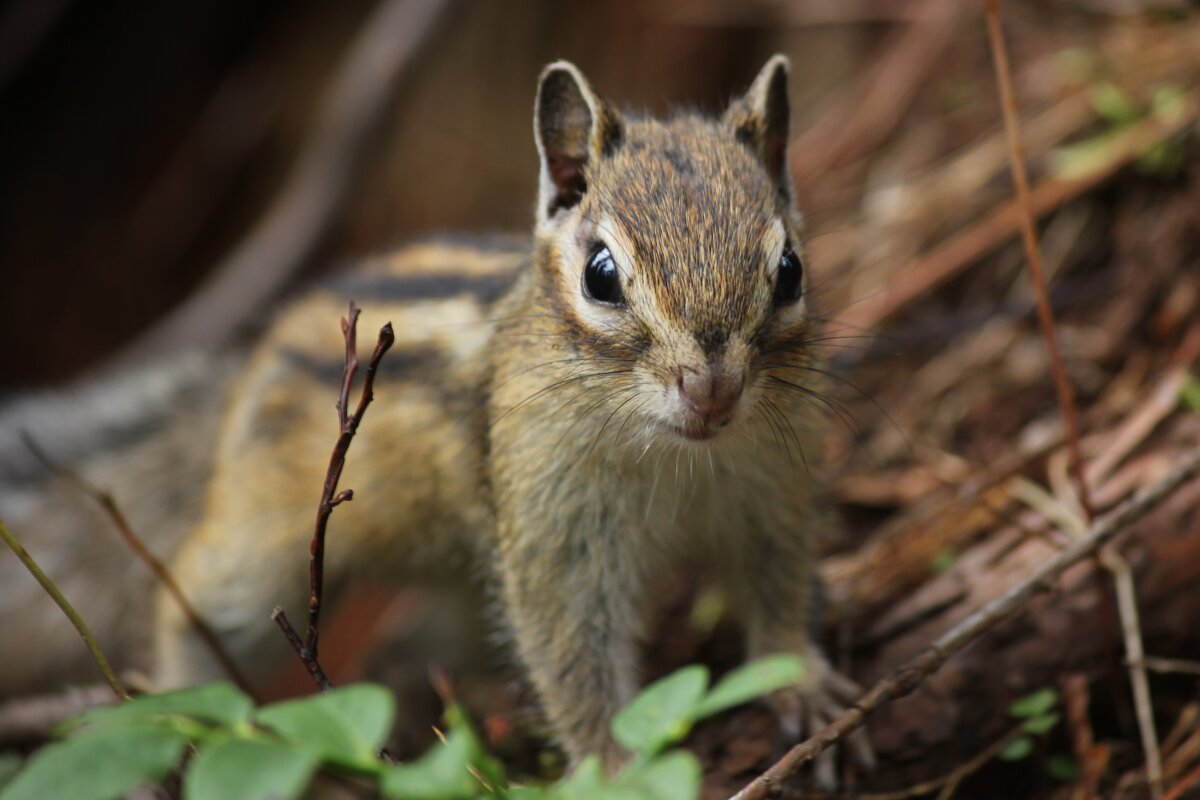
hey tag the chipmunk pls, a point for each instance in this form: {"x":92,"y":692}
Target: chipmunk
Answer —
{"x":632,"y":388}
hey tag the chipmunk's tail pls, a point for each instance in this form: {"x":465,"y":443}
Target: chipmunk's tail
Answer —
{"x":144,"y":436}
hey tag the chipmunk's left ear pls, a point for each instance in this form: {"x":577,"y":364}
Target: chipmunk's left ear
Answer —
{"x":574,"y":128}
{"x":760,"y":119}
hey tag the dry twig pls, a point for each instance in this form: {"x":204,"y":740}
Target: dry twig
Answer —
{"x":85,"y":632}
{"x":908,"y":676}
{"x":164,"y":576}
{"x":1062,"y":385}
{"x":1109,"y":557}
{"x":306,"y":648}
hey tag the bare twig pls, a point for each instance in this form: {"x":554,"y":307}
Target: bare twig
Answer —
{"x":84,"y":632}
{"x":324,"y":174}
{"x":306,"y":648}
{"x":908,"y":676}
{"x":330,"y":496}
{"x":135,"y":543}
{"x":315,"y":671}
{"x":348,"y":424}
{"x":1062,"y":385}
{"x":1109,"y":557}
{"x":1136,"y":658}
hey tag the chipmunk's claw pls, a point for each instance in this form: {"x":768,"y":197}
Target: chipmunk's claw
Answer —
{"x":805,"y":709}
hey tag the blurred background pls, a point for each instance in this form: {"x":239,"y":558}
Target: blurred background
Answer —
{"x":141,"y":141}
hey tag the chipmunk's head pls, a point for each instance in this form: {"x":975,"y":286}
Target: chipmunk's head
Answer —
{"x":670,"y":253}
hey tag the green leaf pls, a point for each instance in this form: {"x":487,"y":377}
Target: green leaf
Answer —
{"x":248,"y":769}
{"x":943,"y":562}
{"x":527,"y":793}
{"x":586,"y":780}
{"x":218,"y":703}
{"x":1168,"y":102}
{"x":663,"y":713}
{"x":708,"y":609}
{"x":98,"y":764}
{"x":1062,"y":767}
{"x":750,"y":681}
{"x":1112,"y":103}
{"x":1034,"y":705}
{"x":347,"y":725}
{"x":1042,"y":724}
{"x":440,"y":774}
{"x":1189,"y":394}
{"x":674,"y":776}
{"x":1017,"y":749}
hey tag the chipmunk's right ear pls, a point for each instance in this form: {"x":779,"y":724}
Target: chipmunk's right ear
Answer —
{"x":760,"y":120}
{"x":574,"y":127}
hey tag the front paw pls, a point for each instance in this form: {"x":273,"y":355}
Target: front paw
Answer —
{"x":805,"y":709}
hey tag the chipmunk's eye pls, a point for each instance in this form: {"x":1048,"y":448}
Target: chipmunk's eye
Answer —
{"x":601,"y":281}
{"x":789,"y":283}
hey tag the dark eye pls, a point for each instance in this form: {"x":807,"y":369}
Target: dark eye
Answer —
{"x":789,"y":284}
{"x":601,"y":281}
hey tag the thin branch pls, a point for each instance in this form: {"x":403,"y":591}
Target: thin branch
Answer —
{"x":909,"y":676}
{"x":1109,"y":557}
{"x":1136,"y":657}
{"x":1062,"y":385}
{"x":306,"y":648}
{"x":330,"y":497}
{"x":84,"y":632}
{"x":135,"y":543}
{"x":323,"y":176}
{"x":315,"y":671}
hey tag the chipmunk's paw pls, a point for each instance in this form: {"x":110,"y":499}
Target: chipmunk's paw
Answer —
{"x":805,"y":709}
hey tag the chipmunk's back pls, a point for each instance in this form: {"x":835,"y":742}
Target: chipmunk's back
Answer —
{"x":235,"y":449}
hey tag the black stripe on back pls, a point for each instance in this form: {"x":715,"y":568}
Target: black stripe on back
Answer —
{"x":396,"y":364}
{"x":363,"y":287}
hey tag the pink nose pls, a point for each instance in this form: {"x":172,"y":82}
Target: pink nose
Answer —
{"x":710,"y":394}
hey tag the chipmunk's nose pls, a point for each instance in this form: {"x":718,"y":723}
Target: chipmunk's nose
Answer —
{"x":711,"y":392}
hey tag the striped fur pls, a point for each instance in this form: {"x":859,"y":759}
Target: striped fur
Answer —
{"x":554,"y":441}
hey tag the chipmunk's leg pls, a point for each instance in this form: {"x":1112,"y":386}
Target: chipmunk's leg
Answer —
{"x":772,"y":586}
{"x":571,"y":601}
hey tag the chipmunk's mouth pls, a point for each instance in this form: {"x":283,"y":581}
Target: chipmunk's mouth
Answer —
{"x":699,"y":430}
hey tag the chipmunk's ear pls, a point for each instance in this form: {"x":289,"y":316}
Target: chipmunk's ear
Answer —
{"x":574,"y":127}
{"x":760,"y":119}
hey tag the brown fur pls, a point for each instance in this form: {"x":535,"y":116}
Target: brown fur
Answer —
{"x":540,"y":434}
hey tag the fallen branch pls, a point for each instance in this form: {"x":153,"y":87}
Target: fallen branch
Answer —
{"x":908,"y":676}
{"x":164,"y":576}
{"x":85,"y":632}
